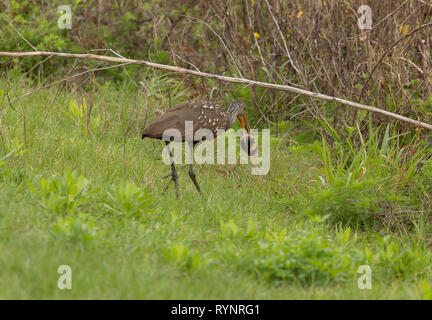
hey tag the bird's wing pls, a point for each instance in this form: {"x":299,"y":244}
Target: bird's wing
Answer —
{"x":174,"y":119}
{"x":203,"y":114}
{"x":188,"y":105}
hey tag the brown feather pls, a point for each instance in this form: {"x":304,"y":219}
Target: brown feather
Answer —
{"x":203,"y":114}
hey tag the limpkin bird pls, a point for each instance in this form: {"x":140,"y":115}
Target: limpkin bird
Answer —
{"x":204,"y":115}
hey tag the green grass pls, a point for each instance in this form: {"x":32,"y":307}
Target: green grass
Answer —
{"x":93,"y":200}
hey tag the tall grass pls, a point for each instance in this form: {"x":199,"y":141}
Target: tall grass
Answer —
{"x":364,"y":171}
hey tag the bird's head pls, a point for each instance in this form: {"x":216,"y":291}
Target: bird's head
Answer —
{"x":238,"y":109}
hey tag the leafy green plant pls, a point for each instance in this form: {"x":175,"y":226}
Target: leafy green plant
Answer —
{"x":359,"y":174}
{"x":128,"y":199}
{"x":424,"y":181}
{"x":61,"y":194}
{"x":12,"y":176}
{"x":379,"y":153}
{"x":15,"y":146}
{"x":184,"y":258}
{"x":76,"y":228}
{"x":426,"y":290}
{"x":5,"y":157}
{"x":345,"y":201}
{"x":345,"y":237}
{"x":79,"y":113}
{"x":230,"y":230}
{"x":397,"y":260}
{"x":308,"y":260}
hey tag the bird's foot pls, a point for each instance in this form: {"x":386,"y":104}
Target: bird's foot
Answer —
{"x":174,"y":177}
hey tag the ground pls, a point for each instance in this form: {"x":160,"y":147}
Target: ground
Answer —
{"x":123,"y":238}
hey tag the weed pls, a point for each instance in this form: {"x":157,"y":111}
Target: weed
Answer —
{"x":80,"y":114}
{"x":5,"y":157}
{"x":397,"y":260}
{"x":78,"y":228}
{"x":308,"y":260}
{"x":345,"y":201}
{"x":230,"y":230}
{"x":184,"y":258}
{"x":128,"y":199}
{"x":61,"y":194}
{"x":426,"y":290}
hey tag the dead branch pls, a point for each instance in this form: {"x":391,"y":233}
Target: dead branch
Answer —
{"x":221,"y":78}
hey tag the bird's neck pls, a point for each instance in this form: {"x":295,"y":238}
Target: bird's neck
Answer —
{"x":232,"y":115}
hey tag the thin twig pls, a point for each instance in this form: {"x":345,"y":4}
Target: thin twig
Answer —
{"x":215,"y":33}
{"x":189,"y":63}
{"x":1,"y":136}
{"x":364,"y":32}
{"x":283,"y":39}
{"x":22,"y":37}
{"x":109,"y":49}
{"x":386,"y":52}
{"x":65,"y":79}
{"x":10,"y":104}
{"x":24,"y":125}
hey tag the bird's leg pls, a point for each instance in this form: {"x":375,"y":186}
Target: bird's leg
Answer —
{"x":174,"y":176}
{"x":191,"y":172}
{"x":192,"y":176}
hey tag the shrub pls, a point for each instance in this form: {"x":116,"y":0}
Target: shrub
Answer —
{"x":61,"y":194}
{"x":345,"y":201}
{"x":76,"y":228}
{"x":128,"y":200}
{"x":81,"y":115}
{"x":358,"y":167}
{"x":426,"y":290}
{"x":311,"y":260}
{"x":308,"y":260}
{"x":396,"y":260}
{"x":5,"y":157}
{"x":230,"y":230}
{"x":184,"y":258}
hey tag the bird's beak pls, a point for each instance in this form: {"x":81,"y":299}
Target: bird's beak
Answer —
{"x":244,"y":123}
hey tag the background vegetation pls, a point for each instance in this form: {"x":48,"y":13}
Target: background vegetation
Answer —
{"x":346,"y":188}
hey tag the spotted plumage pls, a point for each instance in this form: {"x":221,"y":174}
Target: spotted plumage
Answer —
{"x":203,"y":114}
